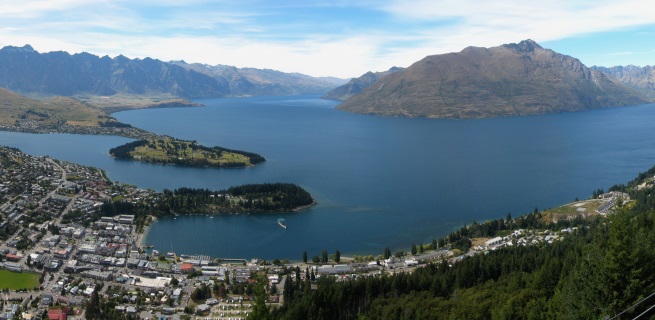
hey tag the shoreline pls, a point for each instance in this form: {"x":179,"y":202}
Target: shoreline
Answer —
{"x":305,"y":207}
{"x":141,"y":237}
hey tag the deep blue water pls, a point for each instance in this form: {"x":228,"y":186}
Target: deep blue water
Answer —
{"x":378,"y":181}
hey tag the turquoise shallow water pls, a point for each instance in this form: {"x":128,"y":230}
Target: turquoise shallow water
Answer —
{"x":378,"y":181}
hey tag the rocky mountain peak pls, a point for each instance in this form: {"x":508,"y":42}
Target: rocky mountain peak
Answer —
{"x":525,"y":46}
{"x":26,"y":49}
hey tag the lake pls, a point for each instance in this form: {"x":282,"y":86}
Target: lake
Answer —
{"x":378,"y":181}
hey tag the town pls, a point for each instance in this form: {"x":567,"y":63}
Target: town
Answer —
{"x":59,"y":257}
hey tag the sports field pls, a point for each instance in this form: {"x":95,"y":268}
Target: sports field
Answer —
{"x":14,"y":281}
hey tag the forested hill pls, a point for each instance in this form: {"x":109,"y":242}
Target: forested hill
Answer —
{"x":603,"y":270}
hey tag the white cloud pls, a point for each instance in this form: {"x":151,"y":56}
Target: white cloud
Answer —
{"x":626,"y":53}
{"x":253,"y":35}
{"x":36,"y":8}
{"x":488,"y":23}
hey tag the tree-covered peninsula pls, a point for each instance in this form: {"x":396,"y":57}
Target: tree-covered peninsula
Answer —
{"x":167,"y":150}
{"x":250,"y":198}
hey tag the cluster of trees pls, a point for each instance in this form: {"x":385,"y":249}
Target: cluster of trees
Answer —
{"x":602,"y":270}
{"x":98,"y":308}
{"x":9,"y":229}
{"x":113,"y":124}
{"x":201,"y":293}
{"x":324,"y":258}
{"x":75,"y":216}
{"x":35,"y":113}
{"x":271,"y":196}
{"x":123,"y":151}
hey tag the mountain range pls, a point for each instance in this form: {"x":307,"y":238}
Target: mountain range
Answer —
{"x":26,"y":71}
{"x":641,"y":79}
{"x":512,"y":79}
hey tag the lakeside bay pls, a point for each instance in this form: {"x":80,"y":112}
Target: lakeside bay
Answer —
{"x":378,"y":181}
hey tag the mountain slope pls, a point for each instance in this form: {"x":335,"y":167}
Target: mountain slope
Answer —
{"x":24,"y":70}
{"x":641,"y":79}
{"x":357,"y":85}
{"x":19,"y":111}
{"x":508,"y":80}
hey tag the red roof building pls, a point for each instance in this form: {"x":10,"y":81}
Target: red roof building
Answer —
{"x":58,"y":314}
{"x":12,"y":257}
{"x":186,"y":268}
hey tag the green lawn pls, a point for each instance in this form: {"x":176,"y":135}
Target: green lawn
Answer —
{"x":170,"y":150}
{"x":571,"y":208}
{"x":14,"y":281}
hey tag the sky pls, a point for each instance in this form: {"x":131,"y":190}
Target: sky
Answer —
{"x":340,"y":38}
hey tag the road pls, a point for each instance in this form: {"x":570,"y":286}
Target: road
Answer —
{"x":63,"y":179}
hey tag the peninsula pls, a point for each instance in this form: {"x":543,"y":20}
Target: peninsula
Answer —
{"x":248,"y":199}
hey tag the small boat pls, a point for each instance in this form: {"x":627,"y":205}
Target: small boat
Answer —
{"x":282,"y":223}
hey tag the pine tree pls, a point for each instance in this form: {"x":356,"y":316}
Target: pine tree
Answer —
{"x":93,"y":307}
{"x":260,"y":310}
{"x":288,"y":290}
{"x":387,"y":253}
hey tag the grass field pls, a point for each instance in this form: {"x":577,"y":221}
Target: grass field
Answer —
{"x":589,"y":206}
{"x":14,"y":281}
{"x":169,"y":150}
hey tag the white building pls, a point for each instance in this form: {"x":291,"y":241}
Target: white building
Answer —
{"x":494,"y":241}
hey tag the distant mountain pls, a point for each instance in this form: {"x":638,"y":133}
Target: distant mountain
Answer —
{"x":251,"y":81}
{"x":24,"y":70}
{"x":641,"y":79}
{"x":357,"y":85}
{"x":508,"y":80}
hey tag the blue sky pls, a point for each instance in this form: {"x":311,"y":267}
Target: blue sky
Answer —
{"x":329,"y":38}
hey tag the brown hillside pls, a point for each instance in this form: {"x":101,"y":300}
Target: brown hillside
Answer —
{"x":52,"y":112}
{"x":508,"y":80}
